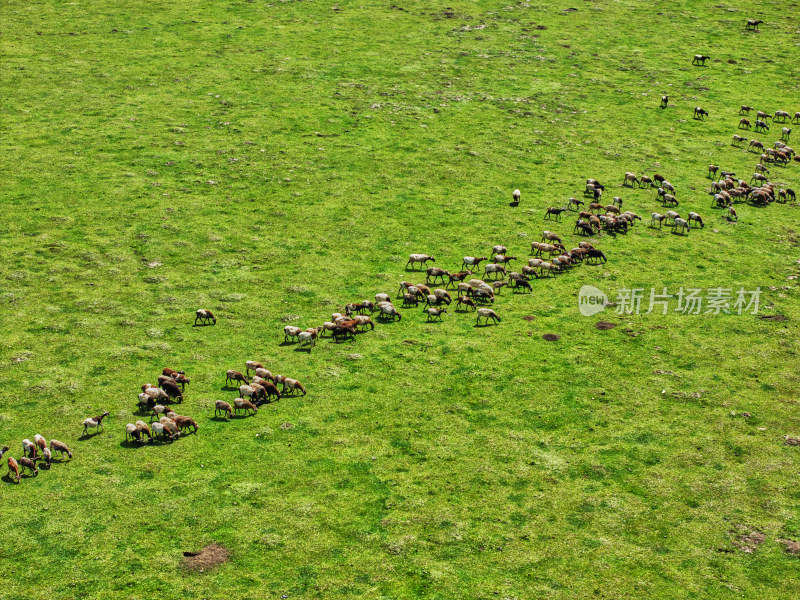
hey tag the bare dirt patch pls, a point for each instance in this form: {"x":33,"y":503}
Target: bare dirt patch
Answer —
{"x":208,"y":558}
{"x":791,"y":441}
{"x":528,"y":318}
{"x":551,"y":337}
{"x":778,"y":318}
{"x":604,"y":325}
{"x":747,"y":539}
{"x":790,"y":546}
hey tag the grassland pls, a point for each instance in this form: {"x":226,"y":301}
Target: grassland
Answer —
{"x":274,"y":161}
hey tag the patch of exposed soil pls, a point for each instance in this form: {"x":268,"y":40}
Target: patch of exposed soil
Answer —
{"x":778,"y":318}
{"x":747,"y":540}
{"x":551,"y":337}
{"x":528,"y":318}
{"x":791,"y":441}
{"x":286,"y":425}
{"x":604,"y":325}
{"x":791,"y":546}
{"x":208,"y":558}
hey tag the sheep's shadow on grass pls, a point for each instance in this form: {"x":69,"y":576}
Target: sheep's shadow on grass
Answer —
{"x":286,"y":343}
{"x":203,"y":325}
{"x":513,"y":204}
{"x":489,"y":324}
{"x":680,"y":233}
{"x":132,"y":444}
{"x":9,"y":479}
{"x":88,"y":436}
{"x":306,"y":349}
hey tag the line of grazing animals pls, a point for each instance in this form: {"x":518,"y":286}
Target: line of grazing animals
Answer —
{"x":263,"y":385}
{"x":33,"y":452}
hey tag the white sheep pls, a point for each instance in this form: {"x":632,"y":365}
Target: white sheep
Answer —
{"x":382,"y":298}
{"x":419,"y":258}
{"x":516,"y":194}
{"x":290,"y":331}
{"x":487,"y":313}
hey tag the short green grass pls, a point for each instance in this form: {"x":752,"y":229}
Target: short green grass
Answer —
{"x":273,"y":161}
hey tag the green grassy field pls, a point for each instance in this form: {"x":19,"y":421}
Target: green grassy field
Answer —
{"x":272,"y":162}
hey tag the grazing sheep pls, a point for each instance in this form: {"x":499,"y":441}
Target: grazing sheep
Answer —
{"x":682,"y":223}
{"x":308,"y":338}
{"x":133,"y":433}
{"x":657,"y":217}
{"x":693,"y":216}
{"x":460,"y":276}
{"x":464,"y":301}
{"x":758,"y":177}
{"x":94,"y":422}
{"x":630,"y":179}
{"x":796,"y":118}
{"x":670,"y":199}
{"x":290,"y":331}
{"x":40,"y":442}
{"x":744,"y":110}
{"x":419,"y":258}
{"x":26,"y":463}
{"x":791,"y":193}
{"x":220,"y":406}
{"x":382,"y":298}
{"x":252,"y":365}
{"x":435,"y":312}
{"x":516,"y":195}
{"x":745,"y":123}
{"x":263,"y":373}
{"x":60,"y":447}
{"x":762,"y":125}
{"x":185,"y":423}
{"x":47,"y":456}
{"x":389,"y":311}
{"x":170,"y":428}
{"x":521,"y":283}
{"x":443,"y":294}
{"x":700,"y":59}
{"x":501,"y":260}
{"x":486,"y":314}
{"x":204,"y":316}
{"x":271,"y":390}
{"x":154,"y":394}
{"x":290,"y":384}
{"x":611,"y":208}
{"x":234,"y":376}
{"x":782,"y":115}
{"x":436,"y":273}
{"x":144,"y":428}
{"x":574,"y":201}
{"x":250,"y":391}
{"x":737,"y":139}
{"x":664,"y":101}
{"x":753,"y":23}
{"x":13,"y":468}
{"x":3,"y":450}
{"x":761,"y":169}
{"x":29,"y":449}
{"x":756,"y":144}
{"x":173,"y":390}
{"x":410,"y":299}
{"x":472,"y":261}
{"x":785,"y":133}
{"x":494,"y":268}
{"x":159,"y":430}
{"x":483,"y":295}
{"x":363,"y":321}
{"x":246,"y":405}
{"x":595,"y":253}
{"x":699,"y":112}
{"x":498,"y":249}
{"x":583,"y":227}
{"x":554,"y":211}
{"x":645,"y":180}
